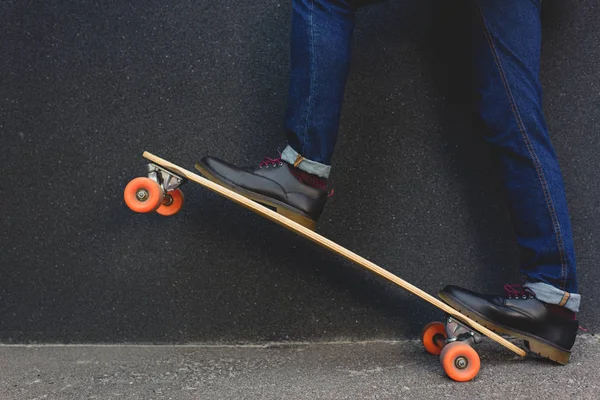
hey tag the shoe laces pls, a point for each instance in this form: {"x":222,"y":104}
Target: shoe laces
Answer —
{"x":270,"y":162}
{"x":516,"y":291}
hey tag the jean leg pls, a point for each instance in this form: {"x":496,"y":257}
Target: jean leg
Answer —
{"x":321,"y":42}
{"x":507,"y":44}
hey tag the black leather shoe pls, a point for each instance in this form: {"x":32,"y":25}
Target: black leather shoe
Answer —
{"x":271,"y":184}
{"x":548,"y":330}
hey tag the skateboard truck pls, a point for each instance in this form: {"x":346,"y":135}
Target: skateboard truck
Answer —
{"x":457,"y":331}
{"x":166,"y":179}
{"x":158,"y":192}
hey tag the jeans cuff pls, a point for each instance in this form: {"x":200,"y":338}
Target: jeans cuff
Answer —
{"x":551,"y":295}
{"x":291,"y":156}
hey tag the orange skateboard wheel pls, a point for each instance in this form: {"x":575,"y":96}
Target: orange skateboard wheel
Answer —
{"x":433,"y":337}
{"x":172,"y":203}
{"x":460,"y":361}
{"x":143,"y":195}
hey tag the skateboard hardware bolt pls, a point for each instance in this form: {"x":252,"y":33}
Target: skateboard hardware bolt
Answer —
{"x":461,"y":363}
{"x":142,"y":195}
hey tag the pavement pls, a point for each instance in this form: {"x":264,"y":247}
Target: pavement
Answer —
{"x":332,"y":370}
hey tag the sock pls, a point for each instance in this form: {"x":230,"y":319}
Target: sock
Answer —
{"x":308,"y":179}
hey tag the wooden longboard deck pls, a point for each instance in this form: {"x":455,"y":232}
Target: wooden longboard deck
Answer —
{"x":331,"y":245}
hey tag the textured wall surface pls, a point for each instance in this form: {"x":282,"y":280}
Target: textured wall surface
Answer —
{"x":85,"y":88}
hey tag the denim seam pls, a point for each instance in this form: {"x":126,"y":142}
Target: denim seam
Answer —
{"x":312,"y":74}
{"x":530,"y":149}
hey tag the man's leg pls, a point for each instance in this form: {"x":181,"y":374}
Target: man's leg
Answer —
{"x":321,"y":43}
{"x":506,"y":47}
{"x":507,"y":72}
{"x":295,"y":184}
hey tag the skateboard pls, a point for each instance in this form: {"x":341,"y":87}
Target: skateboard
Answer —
{"x":451,"y":340}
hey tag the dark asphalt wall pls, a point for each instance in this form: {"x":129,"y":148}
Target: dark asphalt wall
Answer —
{"x":86,"y":87}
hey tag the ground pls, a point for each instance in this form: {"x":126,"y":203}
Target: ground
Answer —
{"x":338,"y":370}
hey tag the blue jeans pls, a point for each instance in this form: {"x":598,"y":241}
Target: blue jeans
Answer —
{"x":506,"y":47}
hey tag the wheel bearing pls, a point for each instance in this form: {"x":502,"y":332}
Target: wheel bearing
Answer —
{"x":461,"y":362}
{"x":142,"y":195}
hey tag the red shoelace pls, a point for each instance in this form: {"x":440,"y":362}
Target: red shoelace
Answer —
{"x":269,"y":162}
{"x":516,"y":291}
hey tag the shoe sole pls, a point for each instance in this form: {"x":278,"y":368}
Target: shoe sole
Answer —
{"x":280,"y":207}
{"x":534,"y":343}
